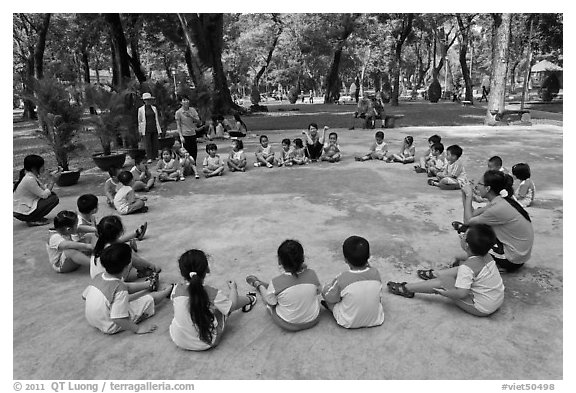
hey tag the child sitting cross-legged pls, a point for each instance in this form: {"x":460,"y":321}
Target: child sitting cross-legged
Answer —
{"x":453,"y":175}
{"x":212,"y":165}
{"x":169,"y":167}
{"x":286,"y":153}
{"x":125,"y":200}
{"x":407,"y":152}
{"x":353,"y":296}
{"x":143,"y":179}
{"x":237,"y":158}
{"x":112,"y":185}
{"x":87,"y":232}
{"x":299,"y":153}
{"x":378,"y":150}
{"x":423,"y":164}
{"x":264,"y":153}
{"x":331,"y":151}
{"x":475,"y":286}
{"x":524,"y":194}
{"x":292,"y":297}
{"x":187,"y":163}
{"x":65,"y":254}
{"x":201,"y":311}
{"x":109,"y":304}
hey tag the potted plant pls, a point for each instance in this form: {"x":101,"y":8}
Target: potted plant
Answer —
{"x":106,"y":123}
{"x":59,"y":123}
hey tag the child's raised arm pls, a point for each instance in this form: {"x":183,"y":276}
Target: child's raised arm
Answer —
{"x":321,"y":140}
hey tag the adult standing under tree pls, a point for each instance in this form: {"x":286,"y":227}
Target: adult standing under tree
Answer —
{"x":33,"y":199}
{"x":187,"y":121}
{"x":149,"y":126}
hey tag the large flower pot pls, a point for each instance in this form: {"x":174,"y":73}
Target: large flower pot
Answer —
{"x":68,"y":178}
{"x":106,"y":162}
{"x":134,"y":153}
{"x":167,"y":141}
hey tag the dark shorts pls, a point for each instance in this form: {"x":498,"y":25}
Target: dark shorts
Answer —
{"x":313,"y":151}
{"x":497,"y":253}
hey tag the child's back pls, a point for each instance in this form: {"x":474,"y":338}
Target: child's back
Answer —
{"x":480,"y":274}
{"x":183,"y":331}
{"x":356,"y":294}
{"x":106,"y":298}
{"x":296,"y":297}
{"x":123,"y":198}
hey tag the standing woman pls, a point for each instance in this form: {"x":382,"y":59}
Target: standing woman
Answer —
{"x":187,"y":120}
{"x":511,"y":223}
{"x":149,"y":126}
{"x":33,"y":199}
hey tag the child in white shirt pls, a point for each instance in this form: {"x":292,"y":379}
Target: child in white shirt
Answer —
{"x":126,"y":201}
{"x":212,"y":165}
{"x":378,"y":149}
{"x":526,"y":190}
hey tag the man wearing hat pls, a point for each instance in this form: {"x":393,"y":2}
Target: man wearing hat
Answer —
{"x":149,"y":126}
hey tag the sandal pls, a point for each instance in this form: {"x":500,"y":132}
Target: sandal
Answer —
{"x":253,"y":281}
{"x":154,"y":280}
{"x":426,"y":274}
{"x":459,"y":227}
{"x":253,"y":300}
{"x":140,"y":232}
{"x":399,"y":288}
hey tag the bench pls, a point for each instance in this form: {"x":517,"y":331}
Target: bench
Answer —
{"x":389,"y":120}
{"x":466,"y":103}
{"x":511,"y":115}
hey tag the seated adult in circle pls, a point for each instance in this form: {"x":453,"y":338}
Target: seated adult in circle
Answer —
{"x":511,"y":223}
{"x":33,"y":199}
{"x":314,"y":143}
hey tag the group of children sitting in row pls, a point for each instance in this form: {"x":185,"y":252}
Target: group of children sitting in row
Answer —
{"x":446,"y":171}
{"x":124,"y":288}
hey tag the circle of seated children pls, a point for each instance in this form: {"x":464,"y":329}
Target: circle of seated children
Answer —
{"x":496,"y":237}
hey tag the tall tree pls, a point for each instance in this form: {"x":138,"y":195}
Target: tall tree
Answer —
{"x":501,"y":40}
{"x":348,"y":23}
{"x":120,"y":58}
{"x":464,"y":24}
{"x":29,"y":36}
{"x":204,"y":37}
{"x":402,"y":29}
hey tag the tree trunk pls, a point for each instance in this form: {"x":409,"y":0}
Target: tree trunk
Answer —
{"x":496,"y":99}
{"x":204,"y":38}
{"x":464,"y":42}
{"x":40,"y":46}
{"x":120,"y":58}
{"x":332,"y":80}
{"x":406,"y":29}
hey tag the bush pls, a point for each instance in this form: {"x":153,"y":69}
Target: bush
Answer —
{"x":59,"y":119}
{"x":293,"y":94}
{"x":550,"y":88}
{"x":434,"y":91}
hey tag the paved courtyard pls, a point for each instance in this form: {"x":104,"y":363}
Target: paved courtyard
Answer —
{"x":240,"y":219}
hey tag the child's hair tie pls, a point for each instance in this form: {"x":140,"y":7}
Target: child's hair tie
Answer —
{"x":503,"y":193}
{"x":192,"y":274}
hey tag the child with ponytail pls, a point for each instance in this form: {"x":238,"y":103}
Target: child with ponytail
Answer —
{"x":200,"y":311}
{"x":509,"y":220}
{"x":110,"y":231}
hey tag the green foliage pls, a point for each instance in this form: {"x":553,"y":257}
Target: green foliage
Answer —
{"x":550,"y":88}
{"x":293,"y":94}
{"x":112,"y":117}
{"x":165,"y":103}
{"x":434,"y":91}
{"x":59,"y":119}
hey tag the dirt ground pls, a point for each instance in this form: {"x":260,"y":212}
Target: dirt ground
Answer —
{"x":241,"y":218}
